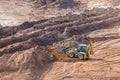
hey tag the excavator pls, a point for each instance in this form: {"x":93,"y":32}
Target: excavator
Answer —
{"x":82,"y":52}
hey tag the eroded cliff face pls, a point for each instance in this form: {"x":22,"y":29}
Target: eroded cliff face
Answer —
{"x":103,"y":3}
{"x":14,"y":12}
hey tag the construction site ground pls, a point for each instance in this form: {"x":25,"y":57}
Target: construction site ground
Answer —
{"x":30,"y":48}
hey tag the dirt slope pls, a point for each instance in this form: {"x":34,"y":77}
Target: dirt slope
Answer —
{"x":103,"y":65}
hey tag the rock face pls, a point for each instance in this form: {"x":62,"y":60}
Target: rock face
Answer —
{"x":61,"y":3}
{"x":64,"y":1}
{"x":45,"y":2}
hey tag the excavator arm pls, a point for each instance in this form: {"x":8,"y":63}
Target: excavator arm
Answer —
{"x":90,"y":49}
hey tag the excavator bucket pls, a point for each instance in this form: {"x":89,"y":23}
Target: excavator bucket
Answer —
{"x":63,"y":51}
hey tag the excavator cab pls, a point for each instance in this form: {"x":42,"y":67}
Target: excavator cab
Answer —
{"x":82,"y":48}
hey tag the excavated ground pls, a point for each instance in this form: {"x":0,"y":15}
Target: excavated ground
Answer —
{"x":30,"y":51}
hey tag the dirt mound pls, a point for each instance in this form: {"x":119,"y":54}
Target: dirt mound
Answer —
{"x":33,"y":59}
{"x":61,"y":57}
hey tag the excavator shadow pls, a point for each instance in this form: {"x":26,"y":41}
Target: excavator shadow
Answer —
{"x":94,"y":59}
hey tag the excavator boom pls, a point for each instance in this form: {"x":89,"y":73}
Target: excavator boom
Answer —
{"x":90,"y":49}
